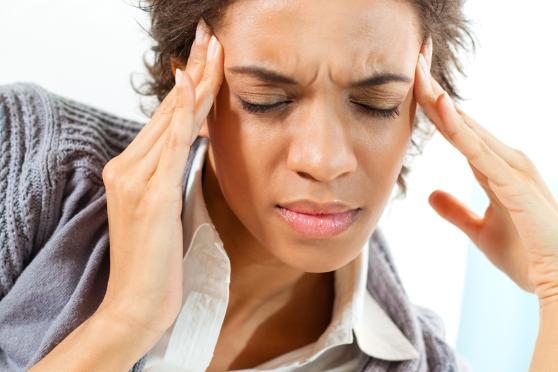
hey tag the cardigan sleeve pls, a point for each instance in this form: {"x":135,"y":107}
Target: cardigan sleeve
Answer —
{"x":26,"y":138}
{"x":54,"y":241}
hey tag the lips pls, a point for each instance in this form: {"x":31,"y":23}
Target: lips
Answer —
{"x":309,"y":207}
{"x":313,"y":220}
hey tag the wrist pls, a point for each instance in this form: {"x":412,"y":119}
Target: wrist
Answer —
{"x":545,"y":357}
{"x":548,"y":306}
{"x":109,"y":345}
{"x":125,"y":325}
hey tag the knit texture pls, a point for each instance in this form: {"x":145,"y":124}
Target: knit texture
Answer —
{"x":54,"y":242}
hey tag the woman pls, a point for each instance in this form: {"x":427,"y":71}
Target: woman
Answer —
{"x":313,"y":134}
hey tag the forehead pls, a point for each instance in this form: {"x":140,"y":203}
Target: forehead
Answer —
{"x":303,"y":36}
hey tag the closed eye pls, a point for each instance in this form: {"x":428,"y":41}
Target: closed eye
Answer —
{"x":258,"y":108}
{"x":390,"y":113}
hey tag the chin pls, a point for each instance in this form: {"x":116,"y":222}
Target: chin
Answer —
{"x":319,"y":257}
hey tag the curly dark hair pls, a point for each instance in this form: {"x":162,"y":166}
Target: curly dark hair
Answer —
{"x":173,"y":27}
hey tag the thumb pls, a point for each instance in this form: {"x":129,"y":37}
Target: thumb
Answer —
{"x":455,"y":212}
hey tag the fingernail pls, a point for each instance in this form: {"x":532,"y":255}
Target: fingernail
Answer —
{"x":212,"y":51}
{"x":423,"y":66}
{"x":429,"y":48}
{"x":201,"y":32}
{"x":178,"y":77}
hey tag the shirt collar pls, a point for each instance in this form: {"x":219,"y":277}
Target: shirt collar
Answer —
{"x":354,"y":307}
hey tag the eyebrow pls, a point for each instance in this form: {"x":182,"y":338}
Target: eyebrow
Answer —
{"x":270,"y":76}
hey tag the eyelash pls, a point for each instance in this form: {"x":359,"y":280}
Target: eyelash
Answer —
{"x":380,"y":113}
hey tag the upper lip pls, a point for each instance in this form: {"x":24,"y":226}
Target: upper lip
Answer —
{"x":310,"y":207}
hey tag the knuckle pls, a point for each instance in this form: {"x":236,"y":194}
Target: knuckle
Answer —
{"x":163,"y":111}
{"x":481,"y":151}
{"x":175,"y":139}
{"x":523,"y":160}
{"x":196,"y":59}
{"x":453,"y":134}
{"x":109,"y":172}
{"x":195,"y":63}
{"x":431,"y":97}
{"x":521,"y":155}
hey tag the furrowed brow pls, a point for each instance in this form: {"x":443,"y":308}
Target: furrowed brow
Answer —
{"x":274,"y":77}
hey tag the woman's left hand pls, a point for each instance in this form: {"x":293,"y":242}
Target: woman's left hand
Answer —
{"x":519,"y":230}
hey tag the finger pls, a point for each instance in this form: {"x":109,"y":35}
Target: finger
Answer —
{"x":195,"y":68}
{"x":477,"y":152}
{"x":450,"y":124}
{"x":426,"y":51}
{"x":515,"y":158}
{"x":153,"y":130}
{"x":423,"y":90}
{"x":451,"y":209}
{"x":512,"y":156}
{"x":146,"y":166}
{"x":198,"y":51}
{"x":207,"y":90}
{"x":507,"y":153}
{"x":174,"y":155}
{"x":209,"y":86}
{"x":513,"y":189}
{"x":204,"y":93}
{"x":144,"y":140}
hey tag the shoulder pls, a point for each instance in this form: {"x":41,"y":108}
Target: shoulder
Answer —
{"x":53,"y":150}
{"x":25,"y":140}
{"x":24,"y":118}
{"x":90,"y":136}
{"x":73,"y":133}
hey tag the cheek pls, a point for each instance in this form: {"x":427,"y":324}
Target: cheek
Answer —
{"x":243,"y":167}
{"x":381,"y":161}
{"x":243,"y":155}
{"x":382,"y":154}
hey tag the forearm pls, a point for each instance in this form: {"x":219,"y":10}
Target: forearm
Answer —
{"x":98,"y":344}
{"x":545,"y":355}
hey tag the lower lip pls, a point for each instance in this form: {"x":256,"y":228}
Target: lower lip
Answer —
{"x":318,"y":225}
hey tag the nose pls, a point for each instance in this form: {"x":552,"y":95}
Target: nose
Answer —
{"x":320,"y":148}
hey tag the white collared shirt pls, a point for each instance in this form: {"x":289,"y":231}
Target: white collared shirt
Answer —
{"x":188,"y":345}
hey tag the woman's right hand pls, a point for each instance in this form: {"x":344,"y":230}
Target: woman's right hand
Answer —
{"x":144,"y":199}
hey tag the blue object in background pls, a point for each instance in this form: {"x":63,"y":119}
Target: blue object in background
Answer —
{"x":499,"y":321}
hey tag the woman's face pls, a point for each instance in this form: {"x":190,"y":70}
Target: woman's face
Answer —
{"x":319,"y":142}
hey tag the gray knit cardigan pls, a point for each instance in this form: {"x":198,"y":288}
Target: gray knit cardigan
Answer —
{"x":54,"y":241}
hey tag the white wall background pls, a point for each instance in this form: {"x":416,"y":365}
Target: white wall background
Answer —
{"x":87,"y":50}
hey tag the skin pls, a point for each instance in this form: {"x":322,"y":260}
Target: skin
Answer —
{"x":257,"y":161}
{"x":518,"y":232}
{"x":321,"y":147}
